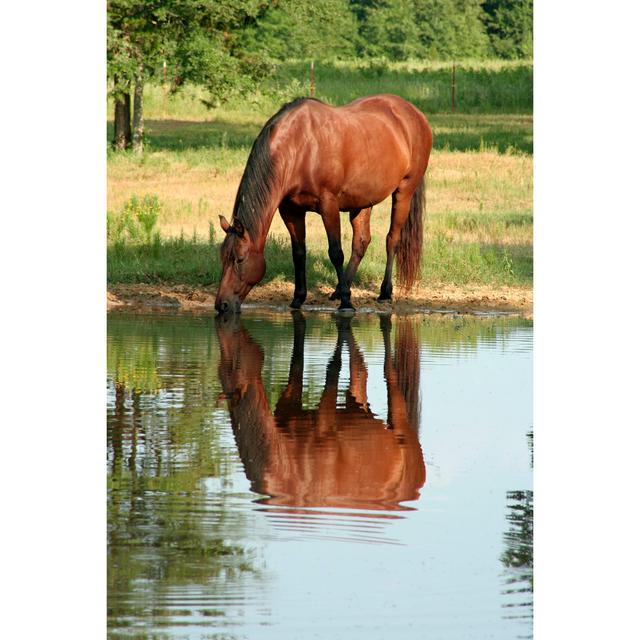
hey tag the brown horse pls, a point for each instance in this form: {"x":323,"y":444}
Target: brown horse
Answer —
{"x":314,"y":157}
{"x":335,"y":455}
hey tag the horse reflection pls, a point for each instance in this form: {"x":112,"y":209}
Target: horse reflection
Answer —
{"x":338,"y":454}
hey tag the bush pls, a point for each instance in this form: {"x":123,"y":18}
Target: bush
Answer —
{"x":136,"y":222}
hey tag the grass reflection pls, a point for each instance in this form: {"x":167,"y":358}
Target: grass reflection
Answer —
{"x":167,"y":535}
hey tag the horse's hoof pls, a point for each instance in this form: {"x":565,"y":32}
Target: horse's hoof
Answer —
{"x":295,"y":304}
{"x":346,"y":307}
{"x":383,"y":299}
{"x":334,"y":296}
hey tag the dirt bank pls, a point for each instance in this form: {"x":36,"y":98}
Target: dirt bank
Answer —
{"x":470,"y":299}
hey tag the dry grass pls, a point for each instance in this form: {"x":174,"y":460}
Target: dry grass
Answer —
{"x":481,"y":185}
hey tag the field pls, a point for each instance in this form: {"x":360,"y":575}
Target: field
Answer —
{"x":478,"y":229}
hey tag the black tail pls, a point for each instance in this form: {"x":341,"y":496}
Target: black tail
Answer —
{"x":409,"y":248}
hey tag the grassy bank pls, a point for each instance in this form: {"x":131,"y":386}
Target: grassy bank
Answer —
{"x":479,"y":190}
{"x":452,"y":254}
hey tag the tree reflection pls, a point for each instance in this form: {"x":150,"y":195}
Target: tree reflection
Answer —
{"x":338,"y":454}
{"x":517,"y":558}
{"x":167,"y":535}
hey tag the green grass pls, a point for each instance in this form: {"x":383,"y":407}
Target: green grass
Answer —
{"x":482,"y":87}
{"x":196,"y":262}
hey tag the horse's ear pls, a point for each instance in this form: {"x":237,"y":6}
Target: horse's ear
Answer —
{"x":238,"y":226}
{"x":224,"y":224}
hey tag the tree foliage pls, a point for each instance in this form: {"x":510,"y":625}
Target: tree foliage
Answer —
{"x":200,"y":40}
{"x":393,"y":29}
{"x":509,"y":25}
{"x":226,"y":45}
{"x":440,"y":29}
{"x":197,"y":40}
{"x":304,"y":29}
{"x":451,"y":29}
{"x":389,"y":30}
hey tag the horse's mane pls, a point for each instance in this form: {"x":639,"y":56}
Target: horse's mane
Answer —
{"x":258,"y":177}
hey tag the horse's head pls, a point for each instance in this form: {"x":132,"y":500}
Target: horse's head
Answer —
{"x":241,"y":358}
{"x":243,"y":266}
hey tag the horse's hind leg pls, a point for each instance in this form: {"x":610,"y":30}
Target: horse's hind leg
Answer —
{"x":399,"y":214}
{"x":360,"y":219}
{"x":294,"y":220}
{"x":330,"y":213}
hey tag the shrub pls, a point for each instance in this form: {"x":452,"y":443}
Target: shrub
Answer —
{"x":136,"y":222}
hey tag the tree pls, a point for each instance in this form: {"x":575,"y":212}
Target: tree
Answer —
{"x":401,"y":29}
{"x":304,"y":29}
{"x":135,"y":38}
{"x":509,"y":24}
{"x":199,"y":41}
{"x":390,"y":30}
{"x":451,"y":28}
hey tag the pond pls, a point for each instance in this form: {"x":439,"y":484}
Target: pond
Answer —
{"x":291,"y":475}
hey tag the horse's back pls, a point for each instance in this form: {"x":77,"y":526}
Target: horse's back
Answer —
{"x":396,"y":113}
{"x":401,"y":116}
{"x":359,"y":151}
{"x":386,"y":103}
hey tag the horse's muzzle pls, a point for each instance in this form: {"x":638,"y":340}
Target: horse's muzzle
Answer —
{"x":228,"y":306}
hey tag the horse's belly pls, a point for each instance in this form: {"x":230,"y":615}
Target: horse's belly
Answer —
{"x":355,"y":180}
{"x":347,"y":199}
{"x":361,"y":194}
{"x":362,"y":199}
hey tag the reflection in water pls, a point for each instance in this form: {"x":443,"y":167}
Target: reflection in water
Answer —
{"x":517,"y":557}
{"x":338,"y":454}
{"x":321,"y":417}
{"x":170,"y":557}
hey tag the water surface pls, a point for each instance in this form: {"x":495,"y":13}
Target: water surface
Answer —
{"x":315,"y":476}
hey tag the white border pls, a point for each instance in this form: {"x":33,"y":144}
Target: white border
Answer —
{"x":53,"y":268}
{"x":586,"y":311}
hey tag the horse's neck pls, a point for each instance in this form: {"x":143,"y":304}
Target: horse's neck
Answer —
{"x":252,"y":422}
{"x":265,"y":218}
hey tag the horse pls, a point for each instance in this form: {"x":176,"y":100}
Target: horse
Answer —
{"x":311,"y":156}
{"x":336,"y":454}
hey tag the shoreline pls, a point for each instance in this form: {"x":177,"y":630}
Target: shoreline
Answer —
{"x":471,"y":299}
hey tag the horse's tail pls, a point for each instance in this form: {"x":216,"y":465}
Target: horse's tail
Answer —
{"x":409,"y":247}
{"x":407,"y":363}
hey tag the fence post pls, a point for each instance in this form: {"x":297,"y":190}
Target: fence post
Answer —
{"x":453,"y":88}
{"x":164,"y":89}
{"x":312,"y":81}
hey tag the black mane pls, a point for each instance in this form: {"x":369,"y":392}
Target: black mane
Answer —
{"x":257,"y":179}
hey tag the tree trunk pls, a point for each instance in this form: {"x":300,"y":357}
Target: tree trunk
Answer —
{"x":122,"y":117}
{"x":127,"y":120}
{"x":138,"y":121}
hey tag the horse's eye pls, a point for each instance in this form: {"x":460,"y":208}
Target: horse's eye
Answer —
{"x":239,"y":260}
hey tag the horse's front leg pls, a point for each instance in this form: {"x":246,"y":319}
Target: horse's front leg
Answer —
{"x":326,"y":422}
{"x":357,"y":373}
{"x":330,"y":213}
{"x":294,"y":220}
{"x":290,"y":400}
{"x":360,"y":219}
